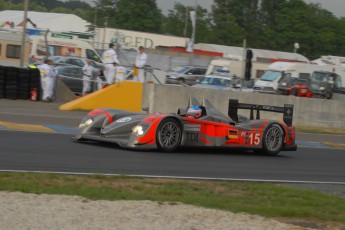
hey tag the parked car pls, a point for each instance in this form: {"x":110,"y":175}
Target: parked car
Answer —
{"x":72,"y":76}
{"x":320,"y":85}
{"x":73,"y":60}
{"x":185,"y":75}
{"x":216,"y":82}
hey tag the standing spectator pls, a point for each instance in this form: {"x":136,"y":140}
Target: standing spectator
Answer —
{"x":110,"y":62}
{"x":88,"y":72}
{"x":120,"y":73}
{"x":48,"y":75}
{"x":101,"y":82}
{"x":140,"y":63}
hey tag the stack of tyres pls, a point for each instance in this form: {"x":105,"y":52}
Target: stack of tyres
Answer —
{"x":2,"y":81}
{"x":23,"y":83}
{"x":11,"y":87}
{"x":35,"y":82}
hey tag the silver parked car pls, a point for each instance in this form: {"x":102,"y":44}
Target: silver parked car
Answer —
{"x":214,"y":82}
{"x":72,"y":76}
{"x":185,"y":75}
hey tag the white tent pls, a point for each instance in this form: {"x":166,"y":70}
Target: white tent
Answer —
{"x":237,"y":53}
{"x":51,"y":21}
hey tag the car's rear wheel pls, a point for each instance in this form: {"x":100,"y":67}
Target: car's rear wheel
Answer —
{"x":273,"y":140}
{"x":169,"y":135}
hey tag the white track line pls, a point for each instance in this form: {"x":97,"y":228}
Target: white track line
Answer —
{"x":180,"y":177}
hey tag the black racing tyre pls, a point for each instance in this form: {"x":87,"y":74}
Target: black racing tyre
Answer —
{"x":169,"y":135}
{"x":11,"y":94}
{"x":24,"y":94}
{"x":273,"y":140}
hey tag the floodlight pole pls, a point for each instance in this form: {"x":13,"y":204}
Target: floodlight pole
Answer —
{"x":22,"y":49}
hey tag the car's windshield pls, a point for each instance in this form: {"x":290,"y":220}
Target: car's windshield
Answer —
{"x":215,"y":81}
{"x":271,"y":75}
{"x":318,"y":77}
{"x":94,"y":65}
{"x":180,"y":69}
{"x":63,"y":70}
{"x":54,"y":59}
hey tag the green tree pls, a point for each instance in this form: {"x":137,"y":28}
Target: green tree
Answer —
{"x":62,"y":10}
{"x":240,"y":16}
{"x":312,"y":27}
{"x":140,"y":15}
{"x":178,"y":23}
{"x":225,"y":30}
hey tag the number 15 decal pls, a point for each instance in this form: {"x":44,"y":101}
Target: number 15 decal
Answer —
{"x":254,"y":138}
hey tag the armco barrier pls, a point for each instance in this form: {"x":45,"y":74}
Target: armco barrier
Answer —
{"x":307,"y":111}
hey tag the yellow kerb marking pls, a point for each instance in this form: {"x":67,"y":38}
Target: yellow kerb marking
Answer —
{"x":334,"y":145}
{"x":26,"y":127}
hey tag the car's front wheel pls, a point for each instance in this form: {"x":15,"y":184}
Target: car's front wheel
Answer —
{"x":273,"y":140}
{"x":181,"y":81}
{"x":169,"y":135}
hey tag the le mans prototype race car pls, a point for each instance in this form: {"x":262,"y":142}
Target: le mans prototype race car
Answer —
{"x":199,"y":125}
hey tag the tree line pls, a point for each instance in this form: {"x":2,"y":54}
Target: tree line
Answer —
{"x":265,"y":24}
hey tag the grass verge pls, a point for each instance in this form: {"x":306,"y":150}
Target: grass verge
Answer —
{"x":270,"y":200}
{"x":320,"y":130}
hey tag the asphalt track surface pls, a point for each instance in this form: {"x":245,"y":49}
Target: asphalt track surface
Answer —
{"x":51,"y":152}
{"x":35,"y":136}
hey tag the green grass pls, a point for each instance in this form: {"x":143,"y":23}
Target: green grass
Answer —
{"x":264,"y":199}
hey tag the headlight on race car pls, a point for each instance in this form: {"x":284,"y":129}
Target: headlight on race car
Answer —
{"x":138,"y":130}
{"x":86,"y":123}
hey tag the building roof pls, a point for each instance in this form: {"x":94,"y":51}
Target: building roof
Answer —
{"x":43,"y":20}
{"x":237,"y":53}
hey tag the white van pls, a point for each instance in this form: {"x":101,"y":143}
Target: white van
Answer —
{"x":61,"y":47}
{"x":10,"y":49}
{"x":269,"y":81}
{"x":237,"y":67}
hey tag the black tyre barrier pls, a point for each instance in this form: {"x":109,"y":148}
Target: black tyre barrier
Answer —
{"x":11,"y":72}
{"x":24,"y":94}
{"x":11,"y":94}
{"x":2,"y":74}
{"x":17,"y":83}
{"x":2,"y":93}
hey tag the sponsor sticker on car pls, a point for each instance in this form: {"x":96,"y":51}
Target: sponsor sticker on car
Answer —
{"x":124,"y":119}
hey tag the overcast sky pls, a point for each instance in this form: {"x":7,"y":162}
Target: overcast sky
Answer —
{"x":337,"y":7}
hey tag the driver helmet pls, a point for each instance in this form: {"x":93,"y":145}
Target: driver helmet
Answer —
{"x":194,"y":111}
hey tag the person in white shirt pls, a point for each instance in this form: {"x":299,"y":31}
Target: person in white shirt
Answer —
{"x":110,"y":62}
{"x":88,"y":71}
{"x":120,"y":73}
{"x":48,"y":75}
{"x":140,"y":63}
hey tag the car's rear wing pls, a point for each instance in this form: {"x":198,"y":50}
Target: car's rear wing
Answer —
{"x":234,"y":105}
